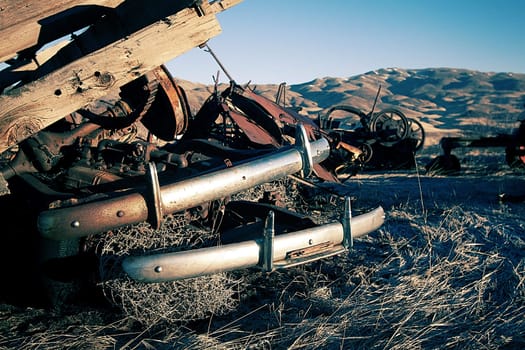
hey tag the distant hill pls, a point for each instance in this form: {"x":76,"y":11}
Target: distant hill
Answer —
{"x":447,"y":101}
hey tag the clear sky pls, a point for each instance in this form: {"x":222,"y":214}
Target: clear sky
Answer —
{"x":295,"y":41}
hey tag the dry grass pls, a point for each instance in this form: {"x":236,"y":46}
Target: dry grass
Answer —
{"x":440,"y":281}
{"x":154,"y":303}
{"x":451,"y":275}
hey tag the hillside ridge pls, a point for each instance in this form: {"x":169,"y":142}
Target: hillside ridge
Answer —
{"x":447,"y":101}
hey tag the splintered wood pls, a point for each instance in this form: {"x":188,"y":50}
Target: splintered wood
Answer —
{"x":120,"y":46}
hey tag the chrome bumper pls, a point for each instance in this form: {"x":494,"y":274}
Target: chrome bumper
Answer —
{"x":269,"y":252}
{"x":103,"y":215}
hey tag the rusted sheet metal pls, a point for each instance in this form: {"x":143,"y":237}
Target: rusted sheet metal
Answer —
{"x":165,"y":112}
{"x":253,"y":131}
{"x":283,"y":115}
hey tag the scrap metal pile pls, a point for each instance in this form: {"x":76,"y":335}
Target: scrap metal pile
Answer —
{"x":90,"y":147}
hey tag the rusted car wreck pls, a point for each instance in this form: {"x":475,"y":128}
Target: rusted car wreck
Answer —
{"x":95,"y":134}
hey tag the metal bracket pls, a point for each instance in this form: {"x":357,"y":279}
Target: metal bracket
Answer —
{"x":303,"y":146}
{"x":154,"y":197}
{"x":197,"y":5}
{"x":348,"y":240}
{"x":267,"y":247}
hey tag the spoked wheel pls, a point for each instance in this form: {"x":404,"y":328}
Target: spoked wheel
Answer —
{"x":391,"y":125}
{"x":349,"y":117}
{"x":416,"y":133}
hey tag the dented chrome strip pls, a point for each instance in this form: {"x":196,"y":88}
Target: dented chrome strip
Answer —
{"x":206,"y":261}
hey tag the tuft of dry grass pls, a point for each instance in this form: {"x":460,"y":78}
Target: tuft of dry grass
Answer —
{"x":169,"y":302}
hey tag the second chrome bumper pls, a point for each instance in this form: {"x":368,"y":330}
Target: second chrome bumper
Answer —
{"x":268,"y":252}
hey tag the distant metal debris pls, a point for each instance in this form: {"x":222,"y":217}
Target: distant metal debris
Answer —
{"x":379,"y":140}
{"x":449,"y":164}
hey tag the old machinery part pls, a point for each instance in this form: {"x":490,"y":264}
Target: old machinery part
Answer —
{"x":42,"y":151}
{"x":267,"y":246}
{"x":383,"y":140}
{"x":448,"y":164}
{"x":416,"y":133}
{"x":354,"y":119}
{"x":367,"y":152}
{"x":515,"y":156}
{"x":390,"y":125}
{"x":163,"y":105}
{"x":303,"y":145}
{"x":515,"y":151}
{"x":155,"y":200}
{"x":348,"y":235}
{"x":280,"y":96}
{"x":106,"y":147}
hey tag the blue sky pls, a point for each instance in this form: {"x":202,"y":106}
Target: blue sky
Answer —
{"x":273,"y":41}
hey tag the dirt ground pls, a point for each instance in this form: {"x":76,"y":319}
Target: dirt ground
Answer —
{"x":446,"y":271}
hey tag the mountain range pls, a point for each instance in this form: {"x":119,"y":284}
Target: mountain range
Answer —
{"x":446,"y":101}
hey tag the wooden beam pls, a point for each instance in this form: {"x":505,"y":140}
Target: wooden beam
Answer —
{"x":32,"y":107}
{"x":21,"y":21}
{"x":104,"y":25}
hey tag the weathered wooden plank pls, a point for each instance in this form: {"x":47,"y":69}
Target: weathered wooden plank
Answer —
{"x":14,"y":12}
{"x":21,"y":22}
{"x":38,"y":104}
{"x":106,"y":26}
